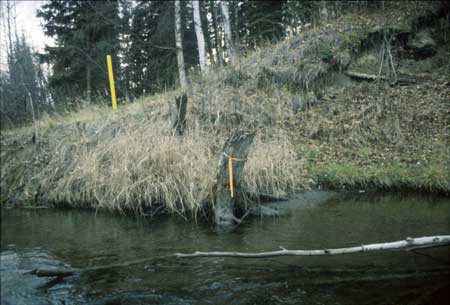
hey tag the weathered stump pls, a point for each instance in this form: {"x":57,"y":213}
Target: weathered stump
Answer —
{"x":177,"y":119}
{"x":232,"y":160}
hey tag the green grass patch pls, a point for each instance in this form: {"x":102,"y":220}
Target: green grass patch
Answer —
{"x":394,"y":175}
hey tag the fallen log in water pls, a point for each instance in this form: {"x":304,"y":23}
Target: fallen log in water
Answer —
{"x":408,"y":244}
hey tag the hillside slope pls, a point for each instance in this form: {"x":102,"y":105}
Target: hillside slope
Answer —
{"x":321,"y":120}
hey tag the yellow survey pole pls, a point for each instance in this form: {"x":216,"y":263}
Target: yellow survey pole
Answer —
{"x":111,"y":82}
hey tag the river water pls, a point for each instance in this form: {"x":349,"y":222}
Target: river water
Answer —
{"x":47,"y":238}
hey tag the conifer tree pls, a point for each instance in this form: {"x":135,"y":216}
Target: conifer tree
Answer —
{"x":84,"y":32}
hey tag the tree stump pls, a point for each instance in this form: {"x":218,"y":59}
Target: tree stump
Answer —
{"x":236,"y":149}
{"x":177,"y":119}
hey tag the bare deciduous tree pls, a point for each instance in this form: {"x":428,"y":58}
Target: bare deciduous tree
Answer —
{"x":179,"y":45}
{"x":227,"y":28}
{"x":200,"y":36}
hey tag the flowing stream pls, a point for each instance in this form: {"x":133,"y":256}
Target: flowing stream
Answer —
{"x":46,"y":238}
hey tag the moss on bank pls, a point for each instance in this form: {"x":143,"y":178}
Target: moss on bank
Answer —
{"x":313,"y":129}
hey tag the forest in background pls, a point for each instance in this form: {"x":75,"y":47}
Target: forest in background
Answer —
{"x":141,"y":37}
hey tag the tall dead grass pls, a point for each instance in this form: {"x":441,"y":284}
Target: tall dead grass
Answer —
{"x":273,"y":167}
{"x":135,"y":169}
{"x":140,"y":166}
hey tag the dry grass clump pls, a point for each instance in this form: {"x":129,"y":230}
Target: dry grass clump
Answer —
{"x":389,"y":137}
{"x":134,"y":170}
{"x":273,"y":167}
{"x":220,"y":107}
{"x":366,"y":115}
{"x":140,"y":166}
{"x":300,"y":62}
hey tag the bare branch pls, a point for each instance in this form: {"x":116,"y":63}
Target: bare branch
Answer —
{"x":408,"y":244}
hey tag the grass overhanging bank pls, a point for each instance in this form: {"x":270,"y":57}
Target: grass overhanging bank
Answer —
{"x":315,"y":126}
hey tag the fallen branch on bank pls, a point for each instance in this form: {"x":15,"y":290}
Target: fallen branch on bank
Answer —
{"x":407,"y":245}
{"x":373,"y":77}
{"x":364,"y":76}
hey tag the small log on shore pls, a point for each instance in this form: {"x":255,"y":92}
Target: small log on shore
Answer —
{"x":177,"y":117}
{"x":365,"y":76}
{"x":373,"y":77}
{"x":234,"y":154}
{"x":408,"y":244}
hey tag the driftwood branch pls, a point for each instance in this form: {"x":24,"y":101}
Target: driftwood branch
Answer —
{"x":408,"y":244}
{"x":365,"y":76}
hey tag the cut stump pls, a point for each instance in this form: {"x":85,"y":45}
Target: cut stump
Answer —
{"x":177,"y":119}
{"x":236,"y":149}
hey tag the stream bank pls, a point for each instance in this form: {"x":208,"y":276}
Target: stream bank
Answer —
{"x":315,"y":125}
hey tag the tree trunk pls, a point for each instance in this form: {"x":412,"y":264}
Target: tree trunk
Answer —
{"x":217,"y":35}
{"x":35,"y":136}
{"x":235,"y":148}
{"x":323,"y":11}
{"x":227,"y":28}
{"x":200,"y":37}
{"x":177,"y":117}
{"x":206,"y":29}
{"x":179,"y":45}
{"x":9,"y":49}
{"x":235,"y":14}
{"x":88,"y":83}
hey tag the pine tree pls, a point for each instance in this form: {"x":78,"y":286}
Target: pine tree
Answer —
{"x":123,"y":79}
{"x":152,"y":61}
{"x":263,"y":21}
{"x":21,"y":88}
{"x":84,"y":32}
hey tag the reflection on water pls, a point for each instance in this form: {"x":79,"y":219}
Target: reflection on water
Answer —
{"x":81,"y":239}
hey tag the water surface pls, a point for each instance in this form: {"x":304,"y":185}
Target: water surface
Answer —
{"x":44,"y":238}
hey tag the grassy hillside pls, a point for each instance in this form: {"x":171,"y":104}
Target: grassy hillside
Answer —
{"x":315,"y":125}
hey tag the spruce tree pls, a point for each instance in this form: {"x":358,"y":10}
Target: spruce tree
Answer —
{"x":84,"y":32}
